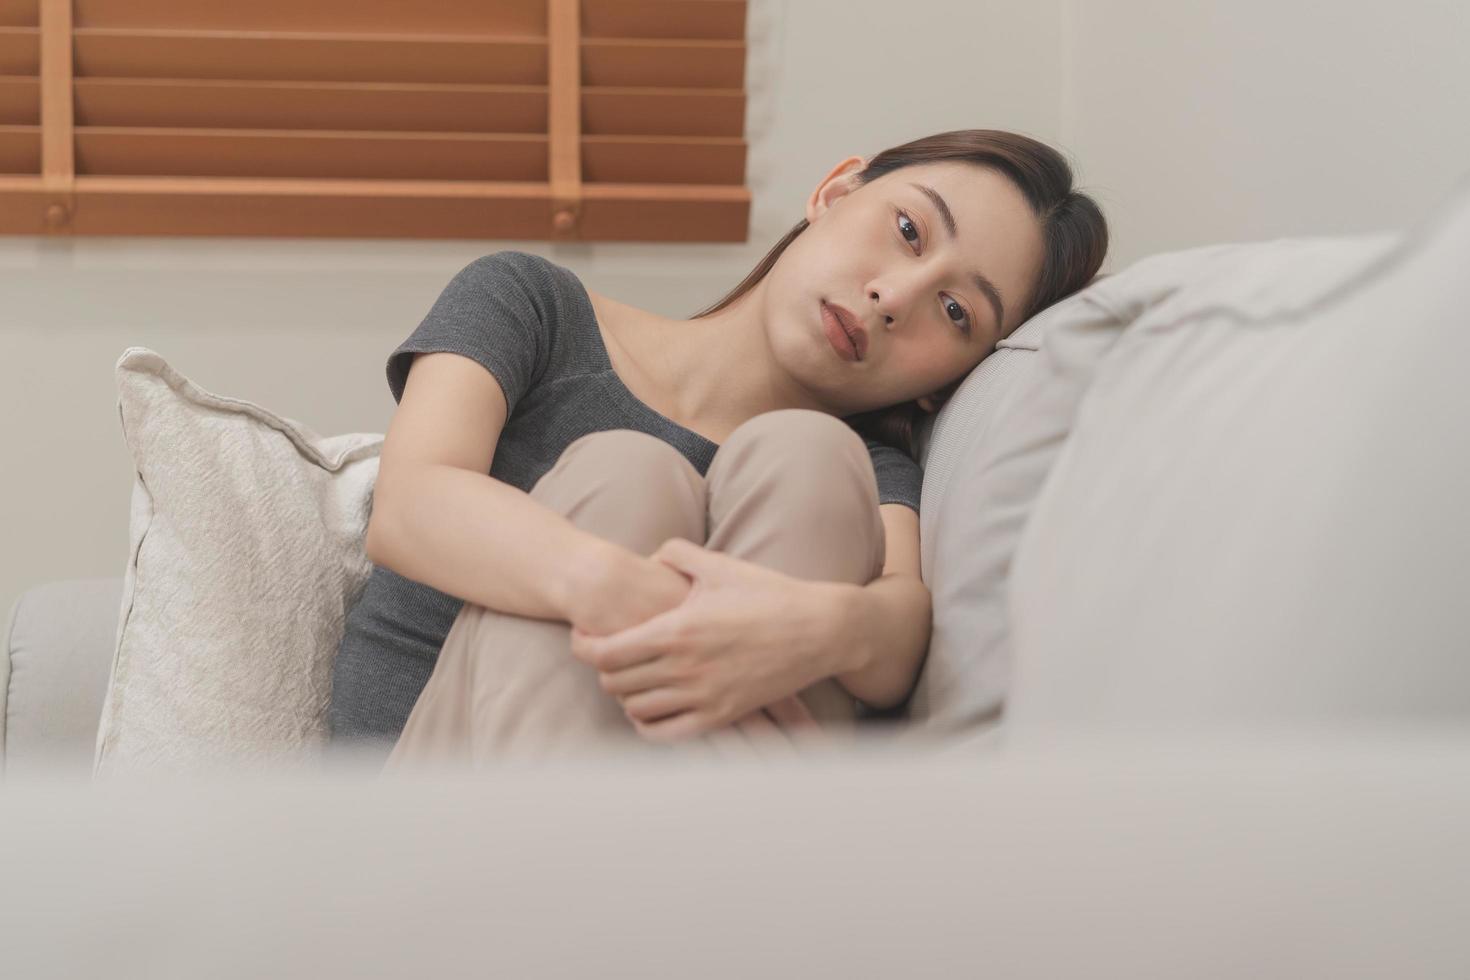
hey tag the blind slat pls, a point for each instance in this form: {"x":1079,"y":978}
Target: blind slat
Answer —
{"x":227,"y":103}
{"x":19,"y":13}
{"x":20,"y":51}
{"x":663,"y":111}
{"x":693,"y":64}
{"x":442,"y":156}
{"x":233,"y":104}
{"x":20,"y":150}
{"x":706,"y":20}
{"x":378,"y":209}
{"x":238,"y":55}
{"x":20,"y":101}
{"x":663,"y":160}
{"x":310,"y":153}
{"x":352,"y":16}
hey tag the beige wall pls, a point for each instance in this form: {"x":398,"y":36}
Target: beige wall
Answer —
{"x":1174,"y":118}
{"x":1203,"y":122}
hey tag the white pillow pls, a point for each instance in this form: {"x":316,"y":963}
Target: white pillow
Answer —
{"x":245,"y":553}
{"x":954,"y":687}
{"x":994,"y":444}
{"x":1260,"y":517}
{"x":968,"y":414}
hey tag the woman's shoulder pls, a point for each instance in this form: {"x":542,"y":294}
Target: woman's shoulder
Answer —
{"x":530,"y":274}
{"x":530,"y":267}
{"x":537,"y":270}
{"x":524,"y":286}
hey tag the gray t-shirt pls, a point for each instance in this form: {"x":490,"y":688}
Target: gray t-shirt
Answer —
{"x":531,"y":324}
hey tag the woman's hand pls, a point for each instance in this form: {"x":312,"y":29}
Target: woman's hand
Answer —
{"x":615,"y":588}
{"x":779,"y":730}
{"x":743,"y":638}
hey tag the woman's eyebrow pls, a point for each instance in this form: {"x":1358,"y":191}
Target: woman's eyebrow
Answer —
{"x":981,"y":282}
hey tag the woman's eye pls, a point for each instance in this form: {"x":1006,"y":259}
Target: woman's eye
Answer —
{"x":903,"y":221}
{"x":953,"y":310}
{"x":957,"y":313}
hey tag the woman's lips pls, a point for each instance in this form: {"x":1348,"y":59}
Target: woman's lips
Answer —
{"x":837,"y":336}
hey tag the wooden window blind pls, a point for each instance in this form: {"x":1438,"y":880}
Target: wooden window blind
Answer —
{"x":587,"y":120}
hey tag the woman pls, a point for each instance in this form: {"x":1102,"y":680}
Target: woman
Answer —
{"x":691,"y":530}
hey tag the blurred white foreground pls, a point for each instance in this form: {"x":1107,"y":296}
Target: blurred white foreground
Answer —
{"x":1158,"y":856}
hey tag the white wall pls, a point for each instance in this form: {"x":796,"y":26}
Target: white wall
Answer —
{"x":1175,"y":115}
{"x":1234,"y":120}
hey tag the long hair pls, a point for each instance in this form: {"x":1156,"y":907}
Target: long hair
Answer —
{"x":1074,"y":234}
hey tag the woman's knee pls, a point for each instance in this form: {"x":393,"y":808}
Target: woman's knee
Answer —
{"x":806,"y":454}
{"x":628,"y":455}
{"x":803,"y":430}
{"x":628,"y":486}
{"x":796,"y":490}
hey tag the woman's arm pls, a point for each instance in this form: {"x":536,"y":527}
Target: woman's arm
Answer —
{"x":880,"y":631}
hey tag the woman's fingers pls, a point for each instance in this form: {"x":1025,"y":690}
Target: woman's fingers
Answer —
{"x":775,"y":732}
{"x":730,"y":743}
{"x":660,"y":702}
{"x":631,"y":680}
{"x":755,"y":736}
{"x":766,"y":736}
{"x":791,"y":713}
{"x":793,"y":716}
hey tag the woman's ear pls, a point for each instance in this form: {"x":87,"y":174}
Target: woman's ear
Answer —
{"x":927,"y":404}
{"x":840,"y":181}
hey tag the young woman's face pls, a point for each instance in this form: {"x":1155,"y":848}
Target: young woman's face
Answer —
{"x":907,"y":268}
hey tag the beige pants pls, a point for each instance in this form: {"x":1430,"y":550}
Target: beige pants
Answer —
{"x":792,"y":490}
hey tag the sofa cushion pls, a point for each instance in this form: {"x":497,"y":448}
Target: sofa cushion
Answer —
{"x":968,"y":415}
{"x":995,"y":463}
{"x":1259,"y":518}
{"x":993,"y":445}
{"x":59,"y":640}
{"x":245,"y":553}
{"x":954,"y":688}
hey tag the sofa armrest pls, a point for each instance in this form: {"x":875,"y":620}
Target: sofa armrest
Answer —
{"x":58,"y":645}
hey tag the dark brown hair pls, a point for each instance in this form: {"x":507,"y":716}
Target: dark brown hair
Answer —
{"x":1074,"y":233}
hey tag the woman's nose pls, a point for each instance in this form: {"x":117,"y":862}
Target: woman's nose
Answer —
{"x":884,"y":308}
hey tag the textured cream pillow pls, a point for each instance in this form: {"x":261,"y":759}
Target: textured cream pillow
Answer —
{"x":245,"y":552}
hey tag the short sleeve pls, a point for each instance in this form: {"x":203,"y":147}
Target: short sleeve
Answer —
{"x":900,"y":478}
{"x":492,"y":312}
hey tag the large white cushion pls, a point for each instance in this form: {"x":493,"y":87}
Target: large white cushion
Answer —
{"x":993,"y":444}
{"x":957,"y":685}
{"x":1260,"y":516}
{"x":245,"y":554}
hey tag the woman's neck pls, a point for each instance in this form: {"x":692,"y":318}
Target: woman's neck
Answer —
{"x":708,"y":374}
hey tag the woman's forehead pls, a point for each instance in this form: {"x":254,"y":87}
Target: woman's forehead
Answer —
{"x":963,"y":187}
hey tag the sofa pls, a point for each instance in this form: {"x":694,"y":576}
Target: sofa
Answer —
{"x":1216,"y":488}
{"x":1195,"y":701}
